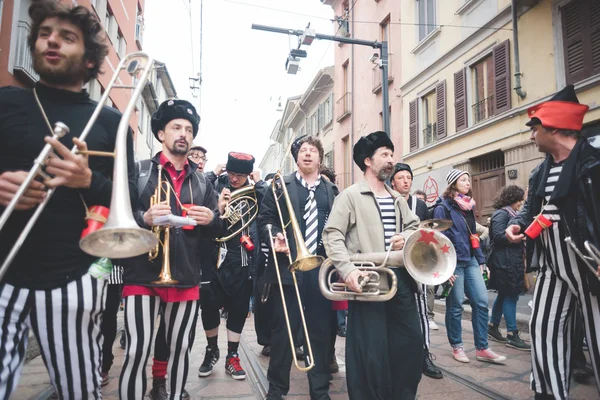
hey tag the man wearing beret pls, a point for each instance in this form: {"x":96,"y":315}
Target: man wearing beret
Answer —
{"x":311,"y":197}
{"x":384,"y":346}
{"x":232,"y":285}
{"x":563,"y":201}
{"x":402,"y":183}
{"x":174,"y":124}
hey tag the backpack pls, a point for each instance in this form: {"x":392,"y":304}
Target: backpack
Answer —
{"x":144,"y":170}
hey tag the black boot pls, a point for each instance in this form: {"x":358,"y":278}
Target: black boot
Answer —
{"x":429,"y":368}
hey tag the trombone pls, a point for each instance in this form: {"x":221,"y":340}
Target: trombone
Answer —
{"x":120,"y":237}
{"x":305,"y":261}
{"x":592,"y":257}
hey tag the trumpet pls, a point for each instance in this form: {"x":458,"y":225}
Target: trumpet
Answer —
{"x":428,"y":256}
{"x":305,"y":261}
{"x":120,"y":237}
{"x":592,"y":257}
{"x":243,"y":207}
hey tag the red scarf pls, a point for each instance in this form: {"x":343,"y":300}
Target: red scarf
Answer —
{"x":465,"y":203}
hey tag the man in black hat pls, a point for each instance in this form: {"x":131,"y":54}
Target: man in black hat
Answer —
{"x":563,"y":202}
{"x":401,"y":180}
{"x":174,"y":124}
{"x":312,"y":199}
{"x":384,"y":346}
{"x":231,"y":287}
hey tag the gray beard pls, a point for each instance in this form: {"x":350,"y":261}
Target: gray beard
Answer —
{"x":384,"y":175}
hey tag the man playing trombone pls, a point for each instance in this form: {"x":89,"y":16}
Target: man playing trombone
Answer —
{"x":384,"y":345}
{"x":563,"y":206}
{"x":50,"y":286}
{"x":311,"y":198}
{"x":172,"y":188}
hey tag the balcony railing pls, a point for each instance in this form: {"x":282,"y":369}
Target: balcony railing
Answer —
{"x":24,"y":61}
{"x":377,"y":75}
{"x":483,"y":109}
{"x":429,"y":133}
{"x":344,"y":106}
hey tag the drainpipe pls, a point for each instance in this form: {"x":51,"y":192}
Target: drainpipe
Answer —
{"x":353,"y":96}
{"x":518,"y":89}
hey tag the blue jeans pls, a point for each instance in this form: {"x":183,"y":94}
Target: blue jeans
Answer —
{"x":341,"y":318}
{"x":508,"y":305}
{"x":469,"y":281}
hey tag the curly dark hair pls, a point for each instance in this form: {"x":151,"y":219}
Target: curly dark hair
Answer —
{"x":94,"y":37}
{"x":329,"y":173}
{"x":508,"y":195}
{"x":313,"y":141}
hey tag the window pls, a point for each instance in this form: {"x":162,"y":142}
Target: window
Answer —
{"x":426,"y":10}
{"x":347,"y":164}
{"x":326,"y":110}
{"x":314,"y":124}
{"x":328,"y":159}
{"x":430,"y":124}
{"x":344,"y":102}
{"x":139,"y":26}
{"x":121,"y":45}
{"x":484,"y":86}
{"x":581,"y":39}
{"x":1,"y":8}
{"x":342,"y":21}
{"x":111,"y":27}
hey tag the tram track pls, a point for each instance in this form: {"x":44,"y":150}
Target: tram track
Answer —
{"x":476,"y":387}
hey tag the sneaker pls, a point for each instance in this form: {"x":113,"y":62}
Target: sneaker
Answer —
{"x":266,"y":351}
{"x":104,"y":381}
{"x":582,"y":375}
{"x":516,"y":342}
{"x":495,"y":335}
{"x":159,"y":392}
{"x":233,"y":367}
{"x":299,"y":353}
{"x":210,"y":359}
{"x":273,"y":396}
{"x":487,"y":355}
{"x":433,"y":326}
{"x":341,"y":332}
{"x":185,"y":395}
{"x":429,"y":368}
{"x":123,"y":340}
{"x":459,"y":354}
{"x":334,"y":368}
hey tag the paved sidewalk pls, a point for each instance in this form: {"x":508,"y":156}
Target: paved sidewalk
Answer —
{"x":510,"y":381}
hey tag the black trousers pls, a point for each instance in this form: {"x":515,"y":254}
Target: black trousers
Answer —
{"x":263,"y":314}
{"x":317,"y":311}
{"x":109,"y":324}
{"x":384,"y":346}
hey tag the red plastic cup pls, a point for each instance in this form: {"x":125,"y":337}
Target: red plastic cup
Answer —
{"x":474,"y":241}
{"x":95,"y":218}
{"x":184,"y":212}
{"x":537,"y":226}
{"x":247,"y":242}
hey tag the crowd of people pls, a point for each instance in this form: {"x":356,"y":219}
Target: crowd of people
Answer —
{"x":221,"y":258}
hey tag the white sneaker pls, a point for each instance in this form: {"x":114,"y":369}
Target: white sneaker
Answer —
{"x":433,"y":326}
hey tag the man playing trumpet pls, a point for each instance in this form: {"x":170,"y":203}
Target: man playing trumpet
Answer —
{"x":174,"y":124}
{"x":384,"y":345}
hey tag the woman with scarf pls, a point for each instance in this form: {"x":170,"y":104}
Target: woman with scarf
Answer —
{"x":506,"y":261}
{"x":458,"y":205}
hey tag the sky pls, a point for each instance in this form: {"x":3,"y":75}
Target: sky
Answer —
{"x":243,"y":70}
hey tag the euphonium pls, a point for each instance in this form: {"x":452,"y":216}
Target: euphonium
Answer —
{"x":243,"y":207}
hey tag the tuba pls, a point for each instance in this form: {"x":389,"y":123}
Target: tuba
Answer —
{"x":243,"y":206}
{"x":428,"y":256}
{"x":305,"y":261}
{"x":120,"y":237}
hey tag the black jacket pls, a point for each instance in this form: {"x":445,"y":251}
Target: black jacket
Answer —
{"x":184,"y":244}
{"x":422,"y":211}
{"x":51,"y":256}
{"x":577,"y":196}
{"x":506,"y":259}
{"x":268,"y":215}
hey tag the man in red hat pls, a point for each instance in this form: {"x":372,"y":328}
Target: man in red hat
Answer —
{"x":563,"y":204}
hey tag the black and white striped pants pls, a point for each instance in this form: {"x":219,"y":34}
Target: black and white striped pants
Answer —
{"x":422,"y":307}
{"x":66,"y":322}
{"x":558,"y":292}
{"x":140,"y":317}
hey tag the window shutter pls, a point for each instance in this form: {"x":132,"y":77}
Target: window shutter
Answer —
{"x":595,"y":35}
{"x":573,"y":41}
{"x":460,"y":99}
{"x":440,"y":95}
{"x":501,"y":62}
{"x":413,"y":117}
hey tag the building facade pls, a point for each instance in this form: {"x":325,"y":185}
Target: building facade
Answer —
{"x":123,"y":22}
{"x":465,"y":95}
{"x":312,"y":113}
{"x":357,"y":89}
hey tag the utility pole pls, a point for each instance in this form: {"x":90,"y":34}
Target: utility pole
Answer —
{"x":382,"y":62}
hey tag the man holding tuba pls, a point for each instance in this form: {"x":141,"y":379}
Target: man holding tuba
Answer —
{"x":231,"y":286}
{"x":174,"y":124}
{"x":52,"y":280}
{"x":384,"y":345}
{"x":312,"y":198}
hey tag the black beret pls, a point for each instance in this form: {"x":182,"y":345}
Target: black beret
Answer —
{"x":295,"y":148}
{"x":402,"y":167}
{"x":367,"y":145}
{"x":174,"y":109}
{"x":240,"y":163}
